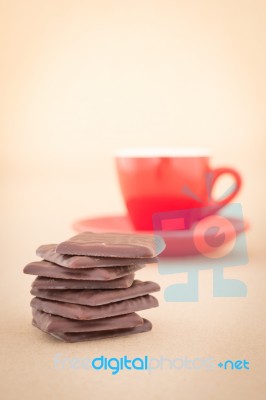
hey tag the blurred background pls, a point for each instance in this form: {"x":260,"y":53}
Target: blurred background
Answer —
{"x":80,"y":79}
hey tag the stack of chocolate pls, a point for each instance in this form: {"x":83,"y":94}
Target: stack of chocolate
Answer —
{"x":85,"y":288}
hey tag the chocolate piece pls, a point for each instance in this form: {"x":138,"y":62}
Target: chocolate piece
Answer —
{"x":85,"y":336}
{"x":52,"y":323}
{"x":97,"y":297}
{"x":61,"y":284}
{"x":47,"y":252}
{"x":113,"y":245}
{"x":75,"y":311}
{"x":50,"y":270}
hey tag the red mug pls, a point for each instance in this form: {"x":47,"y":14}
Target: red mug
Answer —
{"x":160,"y":180}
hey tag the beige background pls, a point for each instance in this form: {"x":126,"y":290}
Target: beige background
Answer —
{"x":80,"y":79}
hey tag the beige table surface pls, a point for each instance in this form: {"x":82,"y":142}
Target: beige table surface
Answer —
{"x":223,"y":328}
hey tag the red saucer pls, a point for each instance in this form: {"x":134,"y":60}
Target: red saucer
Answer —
{"x":178,"y":243}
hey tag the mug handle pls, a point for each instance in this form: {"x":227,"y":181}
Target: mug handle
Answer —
{"x":214,"y":175}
